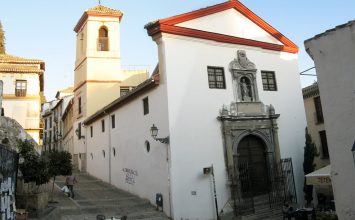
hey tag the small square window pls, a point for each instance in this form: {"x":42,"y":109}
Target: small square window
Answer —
{"x":103,"y":125}
{"x":269,"y":81}
{"x":145,"y":106}
{"x":216,"y":78}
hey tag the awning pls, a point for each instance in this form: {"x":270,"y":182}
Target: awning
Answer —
{"x":319,"y":177}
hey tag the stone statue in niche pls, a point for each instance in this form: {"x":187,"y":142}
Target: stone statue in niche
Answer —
{"x":244,"y":78}
{"x":245,"y":89}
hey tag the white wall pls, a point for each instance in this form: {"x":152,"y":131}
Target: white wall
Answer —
{"x":230,"y":22}
{"x":334,"y":54}
{"x":133,"y":168}
{"x":196,"y":137}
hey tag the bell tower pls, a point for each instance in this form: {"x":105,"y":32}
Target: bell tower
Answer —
{"x":97,"y":64}
{"x":98,"y":74}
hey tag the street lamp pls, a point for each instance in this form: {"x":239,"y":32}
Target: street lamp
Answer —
{"x":78,"y":134}
{"x":154,"y":133}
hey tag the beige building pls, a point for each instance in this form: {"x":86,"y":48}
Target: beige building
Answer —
{"x":54,"y":125}
{"x":98,"y":76}
{"x":315,"y":123}
{"x":23,"y":91}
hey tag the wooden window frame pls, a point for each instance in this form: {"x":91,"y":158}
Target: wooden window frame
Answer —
{"x":267,"y":77}
{"x":20,"y":88}
{"x":216,"y":77}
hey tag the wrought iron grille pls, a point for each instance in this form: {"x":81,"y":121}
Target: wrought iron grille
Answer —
{"x":281,"y":186}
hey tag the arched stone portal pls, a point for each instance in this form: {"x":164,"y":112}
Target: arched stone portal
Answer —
{"x":250,"y":159}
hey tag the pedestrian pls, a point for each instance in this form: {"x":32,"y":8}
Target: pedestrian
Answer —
{"x":70,"y":181}
{"x":287,"y":211}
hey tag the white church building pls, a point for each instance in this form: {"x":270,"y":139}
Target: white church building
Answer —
{"x":227,"y":101}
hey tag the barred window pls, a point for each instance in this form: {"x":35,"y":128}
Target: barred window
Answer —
{"x":269,"y":81}
{"x":21,"y":88}
{"x":216,"y":78}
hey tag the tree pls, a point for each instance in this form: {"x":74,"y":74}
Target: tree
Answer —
{"x":310,"y":152}
{"x":2,"y":40}
{"x":33,"y":168}
{"x":59,"y":163}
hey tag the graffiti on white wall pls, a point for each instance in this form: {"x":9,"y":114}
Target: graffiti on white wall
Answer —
{"x":7,"y":199}
{"x":130,"y":175}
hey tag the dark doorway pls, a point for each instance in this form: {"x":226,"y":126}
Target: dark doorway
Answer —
{"x":252,"y":166}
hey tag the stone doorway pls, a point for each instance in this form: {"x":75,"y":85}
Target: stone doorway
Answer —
{"x":252,"y":163}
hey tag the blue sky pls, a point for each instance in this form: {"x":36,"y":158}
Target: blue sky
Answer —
{"x":44,"y":29}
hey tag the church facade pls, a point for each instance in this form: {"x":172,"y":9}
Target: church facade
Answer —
{"x":226,"y":101}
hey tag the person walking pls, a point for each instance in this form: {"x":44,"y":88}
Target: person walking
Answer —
{"x":70,"y":181}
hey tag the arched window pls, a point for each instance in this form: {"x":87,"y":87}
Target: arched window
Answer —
{"x":102,"y":42}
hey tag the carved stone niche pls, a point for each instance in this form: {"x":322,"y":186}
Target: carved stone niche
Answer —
{"x":244,"y":78}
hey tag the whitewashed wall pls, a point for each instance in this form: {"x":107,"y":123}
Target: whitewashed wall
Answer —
{"x":196,"y":138}
{"x":334,"y":54}
{"x":133,"y":168}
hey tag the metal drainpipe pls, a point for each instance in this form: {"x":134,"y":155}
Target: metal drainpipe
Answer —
{"x":109,"y":146}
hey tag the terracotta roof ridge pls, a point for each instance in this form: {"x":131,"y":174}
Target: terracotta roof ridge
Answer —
{"x":104,"y":9}
{"x":5,"y":58}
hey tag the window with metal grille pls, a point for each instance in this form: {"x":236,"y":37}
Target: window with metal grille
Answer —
{"x":269,"y":81}
{"x":102,"y":41}
{"x":21,"y":88}
{"x":145,"y":106}
{"x":324,"y":143}
{"x":318,"y":107}
{"x":124,"y":91}
{"x":216,"y":78}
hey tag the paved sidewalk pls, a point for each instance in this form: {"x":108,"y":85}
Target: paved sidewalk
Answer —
{"x":93,"y":197}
